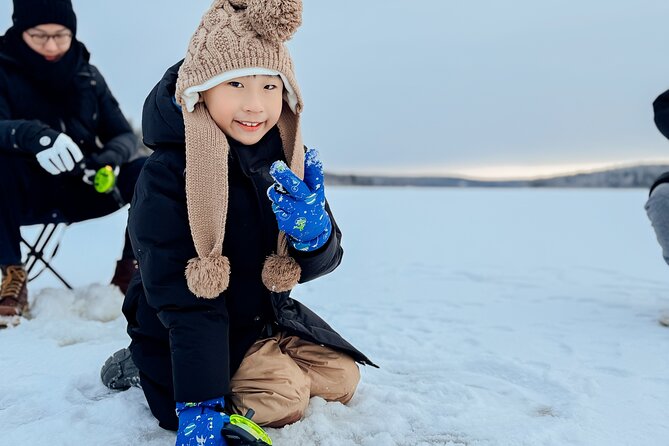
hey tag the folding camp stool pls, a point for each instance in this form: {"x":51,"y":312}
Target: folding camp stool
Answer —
{"x":43,"y":250}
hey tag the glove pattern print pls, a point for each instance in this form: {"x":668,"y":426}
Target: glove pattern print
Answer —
{"x":299,"y":206}
{"x":200,"y":424}
{"x":61,"y":156}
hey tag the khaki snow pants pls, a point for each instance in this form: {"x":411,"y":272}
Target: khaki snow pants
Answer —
{"x":279,"y":374}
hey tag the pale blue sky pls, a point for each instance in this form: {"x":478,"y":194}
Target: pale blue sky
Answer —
{"x":483,"y":86}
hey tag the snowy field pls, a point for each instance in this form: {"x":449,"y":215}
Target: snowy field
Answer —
{"x":498,"y":317}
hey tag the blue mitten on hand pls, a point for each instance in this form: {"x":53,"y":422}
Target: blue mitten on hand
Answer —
{"x":299,"y":206}
{"x":200,"y":424}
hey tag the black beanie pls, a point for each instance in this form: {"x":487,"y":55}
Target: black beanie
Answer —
{"x":29,"y":13}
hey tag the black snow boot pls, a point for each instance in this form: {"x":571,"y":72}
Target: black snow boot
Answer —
{"x":119,"y":372}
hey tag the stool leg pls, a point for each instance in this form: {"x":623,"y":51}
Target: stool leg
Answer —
{"x":36,"y":252}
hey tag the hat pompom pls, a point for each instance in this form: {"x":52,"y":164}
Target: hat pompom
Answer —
{"x":275,"y":20}
{"x":208,"y":277}
{"x":280,"y":273}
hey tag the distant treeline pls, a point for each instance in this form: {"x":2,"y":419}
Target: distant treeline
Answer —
{"x":625,"y":177}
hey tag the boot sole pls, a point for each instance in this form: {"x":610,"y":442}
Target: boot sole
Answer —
{"x":119,"y":372}
{"x":9,"y":321}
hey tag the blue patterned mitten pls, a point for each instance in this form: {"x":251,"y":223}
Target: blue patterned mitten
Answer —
{"x":200,"y":424}
{"x":299,"y":206}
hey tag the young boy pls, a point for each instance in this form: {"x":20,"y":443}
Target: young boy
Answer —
{"x":224,"y":227}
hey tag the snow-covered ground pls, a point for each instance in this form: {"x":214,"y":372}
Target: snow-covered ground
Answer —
{"x":498,"y":317}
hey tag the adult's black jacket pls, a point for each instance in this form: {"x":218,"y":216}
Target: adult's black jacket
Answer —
{"x":661,"y":110}
{"x":88,"y":113}
{"x":188,"y":348}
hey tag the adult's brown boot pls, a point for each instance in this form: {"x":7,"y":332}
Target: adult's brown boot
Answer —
{"x":14,"y":291}
{"x":125,"y":268}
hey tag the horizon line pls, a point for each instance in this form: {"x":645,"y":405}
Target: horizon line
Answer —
{"x":509,"y":172}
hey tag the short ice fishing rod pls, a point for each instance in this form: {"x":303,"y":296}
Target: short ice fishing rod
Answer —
{"x":103,"y":181}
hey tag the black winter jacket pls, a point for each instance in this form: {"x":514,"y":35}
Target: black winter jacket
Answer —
{"x":96,"y":124}
{"x":201,"y":342}
{"x":661,"y":110}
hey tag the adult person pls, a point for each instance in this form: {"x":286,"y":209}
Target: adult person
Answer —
{"x":657,"y":206}
{"x":58,"y":123}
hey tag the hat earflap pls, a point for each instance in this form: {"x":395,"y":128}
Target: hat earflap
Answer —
{"x":281,"y":272}
{"x":208,"y":274}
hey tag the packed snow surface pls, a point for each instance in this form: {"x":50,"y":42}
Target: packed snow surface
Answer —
{"x":498,"y":317}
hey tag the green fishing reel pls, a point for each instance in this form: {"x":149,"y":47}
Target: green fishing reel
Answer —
{"x":241,"y":431}
{"x":104,"y":179}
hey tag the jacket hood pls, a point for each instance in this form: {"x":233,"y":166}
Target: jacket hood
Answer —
{"x":162,"y":120}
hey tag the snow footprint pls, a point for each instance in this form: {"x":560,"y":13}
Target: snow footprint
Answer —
{"x":524,"y":386}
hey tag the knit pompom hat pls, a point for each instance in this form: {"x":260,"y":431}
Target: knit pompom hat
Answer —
{"x":235,"y":38}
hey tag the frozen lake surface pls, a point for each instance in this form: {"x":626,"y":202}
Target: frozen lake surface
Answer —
{"x":498,"y":317}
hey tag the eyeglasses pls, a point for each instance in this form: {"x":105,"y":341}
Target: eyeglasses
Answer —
{"x":61,"y":38}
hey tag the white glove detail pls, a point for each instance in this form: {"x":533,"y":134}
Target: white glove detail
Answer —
{"x":61,"y":156}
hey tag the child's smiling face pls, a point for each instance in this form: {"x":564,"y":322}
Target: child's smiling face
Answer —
{"x":247,"y":107}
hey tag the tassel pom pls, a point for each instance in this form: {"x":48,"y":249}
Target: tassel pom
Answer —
{"x":275,"y":20}
{"x":207,"y":277}
{"x":280,"y":273}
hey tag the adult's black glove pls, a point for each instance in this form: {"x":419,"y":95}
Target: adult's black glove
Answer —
{"x":107,"y":157}
{"x":55,"y":152}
